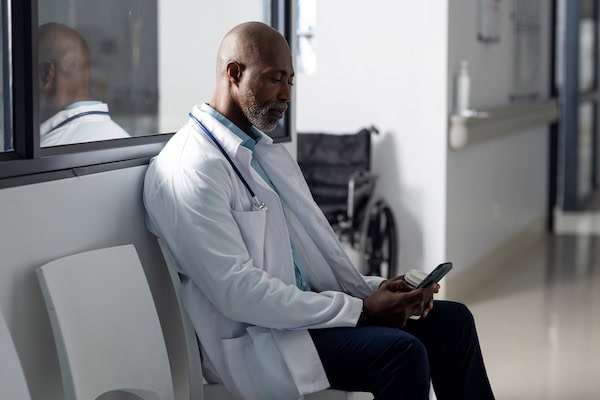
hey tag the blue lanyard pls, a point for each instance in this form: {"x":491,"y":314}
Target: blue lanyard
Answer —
{"x":258,"y":204}
{"x":82,"y":114}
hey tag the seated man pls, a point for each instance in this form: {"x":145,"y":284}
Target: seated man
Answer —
{"x":68,"y":112}
{"x":278,"y":307}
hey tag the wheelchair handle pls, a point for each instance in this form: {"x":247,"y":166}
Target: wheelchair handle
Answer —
{"x":359,"y":177}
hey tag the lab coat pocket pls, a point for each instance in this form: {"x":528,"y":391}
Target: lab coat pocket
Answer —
{"x":252,"y":227}
{"x":257,"y":367}
{"x":234,"y":351}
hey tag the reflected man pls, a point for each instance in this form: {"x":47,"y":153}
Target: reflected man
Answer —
{"x":69,"y":113}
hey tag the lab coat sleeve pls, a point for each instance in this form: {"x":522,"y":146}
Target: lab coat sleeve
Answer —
{"x":374,"y":282}
{"x":193,"y":212}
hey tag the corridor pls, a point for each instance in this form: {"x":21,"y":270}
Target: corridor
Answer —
{"x":539,"y":323}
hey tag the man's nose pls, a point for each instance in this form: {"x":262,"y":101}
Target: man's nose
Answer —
{"x":285,"y":93}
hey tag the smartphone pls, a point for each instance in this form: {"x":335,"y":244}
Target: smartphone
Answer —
{"x":436,"y":275}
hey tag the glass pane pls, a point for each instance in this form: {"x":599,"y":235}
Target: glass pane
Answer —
{"x":587,"y":45}
{"x":120,"y":68}
{"x":6,"y":134}
{"x":586,"y":143}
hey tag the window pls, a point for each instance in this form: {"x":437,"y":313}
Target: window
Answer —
{"x":119,"y":56}
{"x":587,"y":45}
{"x":585,"y":144}
{"x":103,"y":81}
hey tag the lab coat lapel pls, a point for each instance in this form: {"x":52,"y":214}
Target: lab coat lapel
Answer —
{"x":306,"y":216}
{"x":278,"y":261}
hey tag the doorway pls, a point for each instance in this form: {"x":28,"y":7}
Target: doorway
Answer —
{"x":575,"y":145}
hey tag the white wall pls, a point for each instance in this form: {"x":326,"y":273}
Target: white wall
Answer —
{"x":498,"y":188}
{"x":189,"y":34}
{"x":384,"y":63}
{"x":49,"y":220}
{"x":393,"y":64}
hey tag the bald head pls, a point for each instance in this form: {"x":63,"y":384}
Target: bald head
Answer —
{"x":65,"y":64}
{"x":254,"y":75}
{"x":249,"y":43}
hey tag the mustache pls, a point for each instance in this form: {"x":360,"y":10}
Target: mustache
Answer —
{"x":279,"y":107}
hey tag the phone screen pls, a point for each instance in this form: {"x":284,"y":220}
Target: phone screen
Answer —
{"x":436,"y":275}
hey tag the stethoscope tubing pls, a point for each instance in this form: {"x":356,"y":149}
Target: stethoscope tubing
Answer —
{"x":76,"y":116}
{"x":258,"y":204}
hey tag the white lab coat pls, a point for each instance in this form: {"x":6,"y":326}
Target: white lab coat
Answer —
{"x":88,"y":128}
{"x":239,"y":287}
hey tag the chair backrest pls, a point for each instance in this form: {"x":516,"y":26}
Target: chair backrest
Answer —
{"x":12,"y":380}
{"x":194,"y":363}
{"x":105,"y":325}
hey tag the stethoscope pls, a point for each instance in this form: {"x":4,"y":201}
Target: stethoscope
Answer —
{"x":259,"y":205}
{"x":76,"y":116}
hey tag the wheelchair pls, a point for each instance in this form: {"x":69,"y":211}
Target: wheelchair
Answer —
{"x":337,"y":169}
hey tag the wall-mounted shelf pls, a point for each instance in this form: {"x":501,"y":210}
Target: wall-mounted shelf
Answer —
{"x":476,"y":126}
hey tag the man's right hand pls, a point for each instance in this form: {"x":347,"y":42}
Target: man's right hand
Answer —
{"x":395,"y":301}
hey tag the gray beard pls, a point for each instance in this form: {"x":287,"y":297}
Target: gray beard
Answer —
{"x":259,"y":116}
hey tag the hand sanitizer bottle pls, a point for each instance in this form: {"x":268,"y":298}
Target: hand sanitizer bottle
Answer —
{"x":463,"y":84}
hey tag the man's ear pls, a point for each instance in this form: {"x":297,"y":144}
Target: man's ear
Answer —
{"x":47,"y":74}
{"x":234,"y":72}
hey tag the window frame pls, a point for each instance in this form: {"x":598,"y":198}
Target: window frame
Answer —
{"x":6,"y":74}
{"x":28,"y":163}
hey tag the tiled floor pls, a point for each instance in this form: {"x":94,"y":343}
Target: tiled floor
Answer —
{"x":539,"y":324}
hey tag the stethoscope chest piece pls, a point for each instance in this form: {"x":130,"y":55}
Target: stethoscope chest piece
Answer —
{"x":259,"y":205}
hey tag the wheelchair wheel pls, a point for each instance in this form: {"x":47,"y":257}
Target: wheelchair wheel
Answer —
{"x":381,"y":246}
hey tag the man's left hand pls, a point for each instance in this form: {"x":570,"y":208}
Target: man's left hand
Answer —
{"x":399,"y":284}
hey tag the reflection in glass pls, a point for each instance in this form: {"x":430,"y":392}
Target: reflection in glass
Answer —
{"x":68,"y":111}
{"x":121,"y":38}
{"x":526,"y":20}
{"x":150,"y":71}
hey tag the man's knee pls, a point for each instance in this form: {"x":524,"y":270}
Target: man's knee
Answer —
{"x":457,"y":312}
{"x":463,"y":322}
{"x":464,"y":313}
{"x":412,"y":354}
{"x":468,"y":321}
{"x":407,"y":370}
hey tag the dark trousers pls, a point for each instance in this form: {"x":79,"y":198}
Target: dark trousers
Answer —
{"x":396,"y":364}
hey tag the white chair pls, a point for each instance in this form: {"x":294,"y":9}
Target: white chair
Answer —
{"x":12,"y":380}
{"x":212,"y":391}
{"x":105,"y":325}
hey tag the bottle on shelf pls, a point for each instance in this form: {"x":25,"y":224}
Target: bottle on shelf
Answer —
{"x":463,"y":83}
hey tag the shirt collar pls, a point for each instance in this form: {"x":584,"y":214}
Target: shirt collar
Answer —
{"x":67,"y":113}
{"x":247,"y":140}
{"x":82,"y":103}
